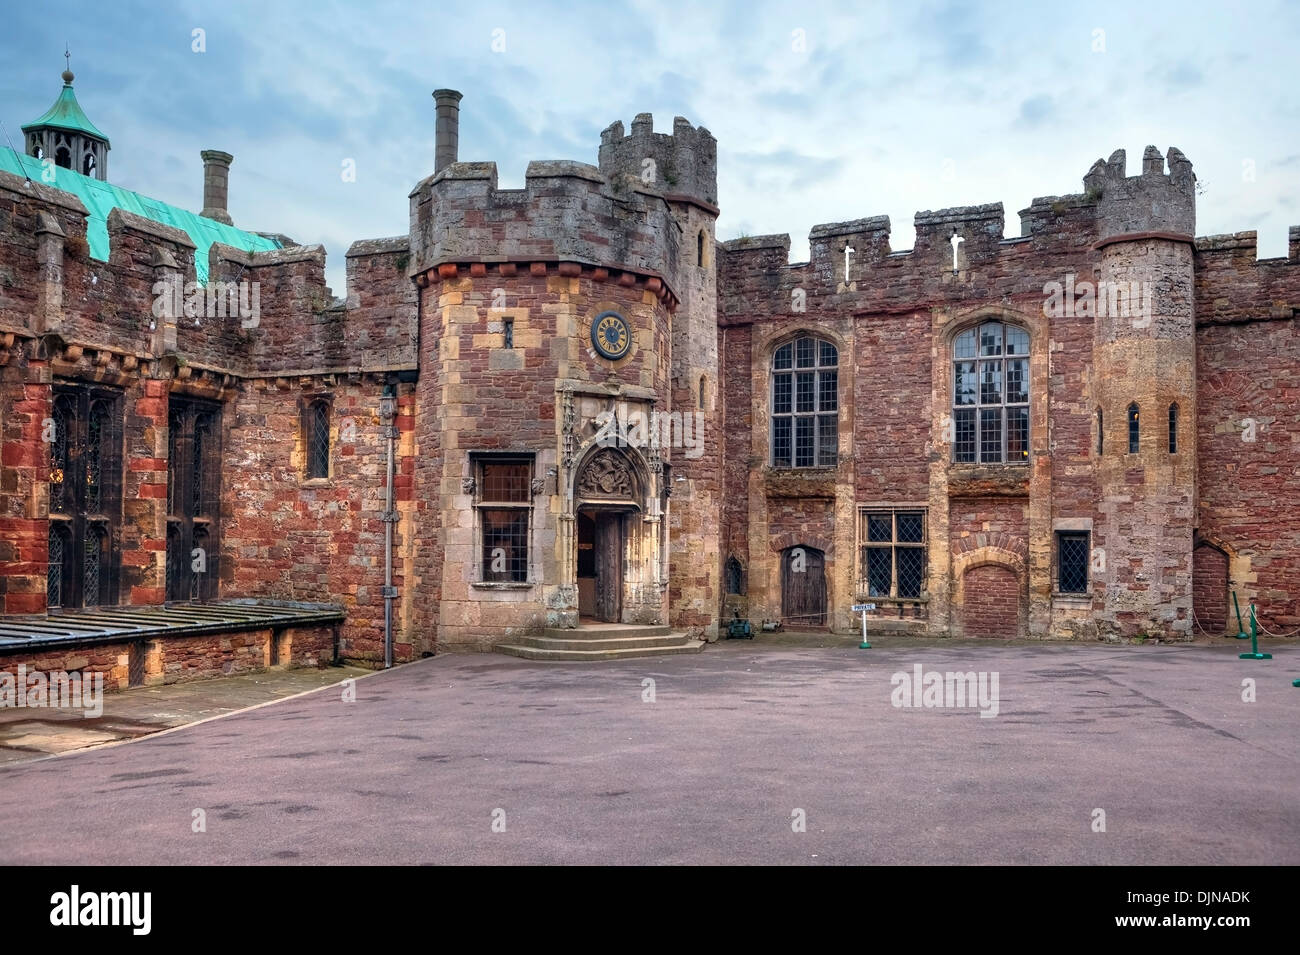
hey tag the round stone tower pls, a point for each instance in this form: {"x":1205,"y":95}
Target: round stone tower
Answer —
{"x":1144,"y":395}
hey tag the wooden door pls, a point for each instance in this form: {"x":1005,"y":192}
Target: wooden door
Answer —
{"x":803,"y":587}
{"x":609,"y":567}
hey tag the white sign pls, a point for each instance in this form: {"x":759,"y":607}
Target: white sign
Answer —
{"x":858,"y":607}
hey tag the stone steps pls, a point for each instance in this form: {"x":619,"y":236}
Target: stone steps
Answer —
{"x":616,"y":642}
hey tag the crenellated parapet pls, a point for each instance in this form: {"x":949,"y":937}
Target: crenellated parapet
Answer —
{"x":1153,"y":202}
{"x":568,"y":213}
{"x":143,"y":309}
{"x":962,"y":254}
{"x":681,"y":166}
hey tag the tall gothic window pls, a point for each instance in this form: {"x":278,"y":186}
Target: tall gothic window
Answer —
{"x":990,"y":398}
{"x":805,"y":404}
{"x":193,"y":499}
{"x":85,"y":496}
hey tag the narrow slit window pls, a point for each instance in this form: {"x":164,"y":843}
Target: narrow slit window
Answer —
{"x":1101,"y":433}
{"x":1133,"y":429}
{"x":318,"y":440}
{"x":509,"y":329}
{"x":1173,"y":428}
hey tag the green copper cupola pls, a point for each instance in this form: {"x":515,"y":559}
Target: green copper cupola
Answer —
{"x":65,"y":135}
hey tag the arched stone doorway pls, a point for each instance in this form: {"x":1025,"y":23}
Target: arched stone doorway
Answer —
{"x":608,"y":498}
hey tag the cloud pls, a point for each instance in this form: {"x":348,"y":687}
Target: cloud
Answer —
{"x":860,"y":122}
{"x":1035,"y":111}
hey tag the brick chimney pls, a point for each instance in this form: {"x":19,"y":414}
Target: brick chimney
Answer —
{"x":448,"y":129}
{"x":216,"y":185}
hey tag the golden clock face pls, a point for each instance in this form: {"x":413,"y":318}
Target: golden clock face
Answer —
{"x":611,"y":335}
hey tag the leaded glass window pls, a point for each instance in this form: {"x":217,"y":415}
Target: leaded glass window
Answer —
{"x":990,"y":396}
{"x":805,"y":404}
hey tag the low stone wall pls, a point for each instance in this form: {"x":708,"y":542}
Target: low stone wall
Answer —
{"x":182,"y":659}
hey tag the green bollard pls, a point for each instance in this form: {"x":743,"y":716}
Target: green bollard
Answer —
{"x":1254,"y":641}
{"x":1241,"y":631}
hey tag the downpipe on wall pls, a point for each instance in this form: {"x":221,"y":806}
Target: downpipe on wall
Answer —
{"x":387,"y":411}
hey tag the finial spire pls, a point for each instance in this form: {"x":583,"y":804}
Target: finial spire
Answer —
{"x":67,"y":72}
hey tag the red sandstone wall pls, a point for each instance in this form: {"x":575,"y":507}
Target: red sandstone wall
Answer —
{"x":1248,"y":353}
{"x":992,"y":602}
{"x":290,"y":538}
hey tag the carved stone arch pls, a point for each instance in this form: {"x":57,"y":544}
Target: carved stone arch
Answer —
{"x":803,"y":538}
{"x":615,"y":475}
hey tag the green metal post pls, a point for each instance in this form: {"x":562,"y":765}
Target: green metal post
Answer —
{"x":1254,"y":653}
{"x":1241,"y":631}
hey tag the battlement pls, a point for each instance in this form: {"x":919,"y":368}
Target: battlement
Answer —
{"x":567,"y":212}
{"x":681,"y":165}
{"x":155,"y":299}
{"x":1154,"y":201}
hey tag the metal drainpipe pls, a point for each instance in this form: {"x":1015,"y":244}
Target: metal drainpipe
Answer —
{"x":388,"y":410}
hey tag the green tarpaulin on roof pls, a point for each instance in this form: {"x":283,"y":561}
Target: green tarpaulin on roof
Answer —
{"x":101,"y":198}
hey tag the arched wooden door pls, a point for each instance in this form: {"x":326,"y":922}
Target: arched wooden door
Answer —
{"x":803,"y":587}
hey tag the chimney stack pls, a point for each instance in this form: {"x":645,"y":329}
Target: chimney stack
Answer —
{"x":448,"y":129}
{"x":216,"y":185}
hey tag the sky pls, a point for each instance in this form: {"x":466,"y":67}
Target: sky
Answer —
{"x":822,"y":112}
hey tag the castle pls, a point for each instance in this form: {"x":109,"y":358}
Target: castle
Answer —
{"x":567,"y":403}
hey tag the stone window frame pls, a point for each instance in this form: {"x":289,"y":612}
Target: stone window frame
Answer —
{"x":478,"y":461}
{"x":1134,"y":418}
{"x":308,"y":407}
{"x":194,"y":457}
{"x":86,"y":462}
{"x":818,"y":369}
{"x":974,"y":327}
{"x":863,"y":544}
{"x":1059,"y":535}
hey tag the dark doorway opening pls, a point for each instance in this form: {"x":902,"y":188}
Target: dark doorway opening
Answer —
{"x":601,"y":536}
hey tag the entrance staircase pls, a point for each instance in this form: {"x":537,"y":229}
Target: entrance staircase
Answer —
{"x":601,"y":641}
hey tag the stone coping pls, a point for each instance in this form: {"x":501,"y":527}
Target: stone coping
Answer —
{"x":25,"y":632}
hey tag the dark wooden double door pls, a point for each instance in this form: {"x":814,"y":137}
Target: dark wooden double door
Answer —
{"x":601,"y":540}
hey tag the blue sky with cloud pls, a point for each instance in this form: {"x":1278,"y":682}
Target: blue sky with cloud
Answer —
{"x":888,"y":109}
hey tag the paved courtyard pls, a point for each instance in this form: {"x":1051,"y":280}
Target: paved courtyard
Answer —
{"x":577,"y":765}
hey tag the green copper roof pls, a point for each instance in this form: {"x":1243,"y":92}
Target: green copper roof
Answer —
{"x":100,"y":198}
{"x":66,"y":114}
